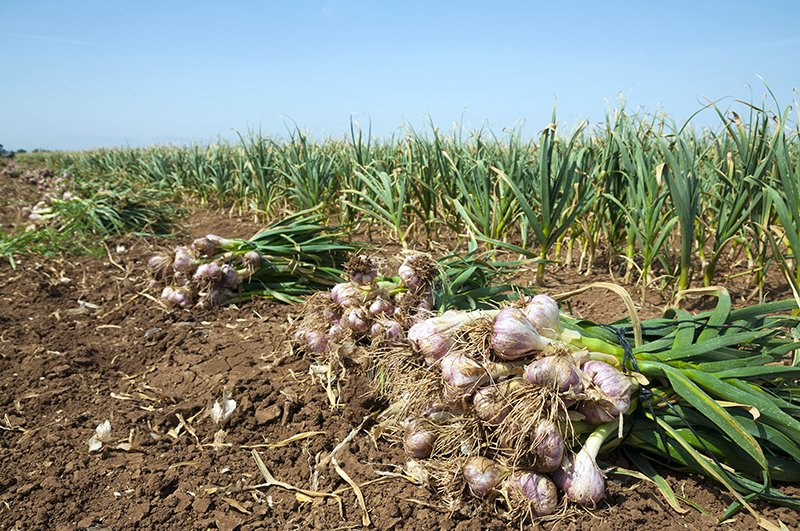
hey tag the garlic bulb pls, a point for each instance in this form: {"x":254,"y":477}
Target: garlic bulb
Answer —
{"x":417,"y":272}
{"x":183,"y":261}
{"x":556,"y":372}
{"x":609,"y":395}
{"x":548,"y":450}
{"x":536,"y":491}
{"x":346,"y":295}
{"x":482,"y":475}
{"x":542,"y":312}
{"x":579,"y":477}
{"x":462,"y":374}
{"x":362,"y":270}
{"x":434,"y":337}
{"x":513,"y":336}
{"x":355,"y":319}
{"x":418,"y":438}
{"x":491,"y":404}
{"x":208,"y":272}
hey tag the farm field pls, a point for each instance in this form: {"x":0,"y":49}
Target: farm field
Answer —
{"x":86,"y":339}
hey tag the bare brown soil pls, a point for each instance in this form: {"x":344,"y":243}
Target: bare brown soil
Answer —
{"x":82,"y":342}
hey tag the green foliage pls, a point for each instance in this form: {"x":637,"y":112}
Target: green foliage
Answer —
{"x":115,"y":213}
{"x":721,"y":399}
{"x":78,"y":214}
{"x":300,"y":255}
{"x":666,"y":201}
{"x":683,"y":183}
{"x":49,"y":242}
{"x":474,"y":281}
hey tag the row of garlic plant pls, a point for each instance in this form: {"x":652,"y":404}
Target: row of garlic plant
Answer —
{"x":657,"y":200}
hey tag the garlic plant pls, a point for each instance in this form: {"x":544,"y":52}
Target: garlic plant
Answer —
{"x":471,"y":375}
{"x":515,"y":405}
{"x":370,"y":308}
{"x":295,"y":256}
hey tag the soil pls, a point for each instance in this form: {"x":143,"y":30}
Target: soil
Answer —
{"x":82,"y":341}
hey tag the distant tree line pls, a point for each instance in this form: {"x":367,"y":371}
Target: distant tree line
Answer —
{"x":10,"y":152}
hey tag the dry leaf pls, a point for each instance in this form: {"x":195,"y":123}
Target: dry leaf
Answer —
{"x":235,"y":504}
{"x":302,"y":498}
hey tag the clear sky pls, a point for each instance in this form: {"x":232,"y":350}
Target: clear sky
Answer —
{"x":82,"y":74}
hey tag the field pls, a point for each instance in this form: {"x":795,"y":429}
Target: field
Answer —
{"x":86,"y":339}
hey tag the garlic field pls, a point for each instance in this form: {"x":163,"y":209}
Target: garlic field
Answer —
{"x":594,"y":328}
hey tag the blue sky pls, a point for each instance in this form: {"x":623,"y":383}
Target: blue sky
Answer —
{"x":86,"y":74}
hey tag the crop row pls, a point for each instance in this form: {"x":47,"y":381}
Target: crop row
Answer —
{"x":657,"y":202}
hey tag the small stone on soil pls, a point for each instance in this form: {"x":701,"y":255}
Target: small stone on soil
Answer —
{"x":268,"y":414}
